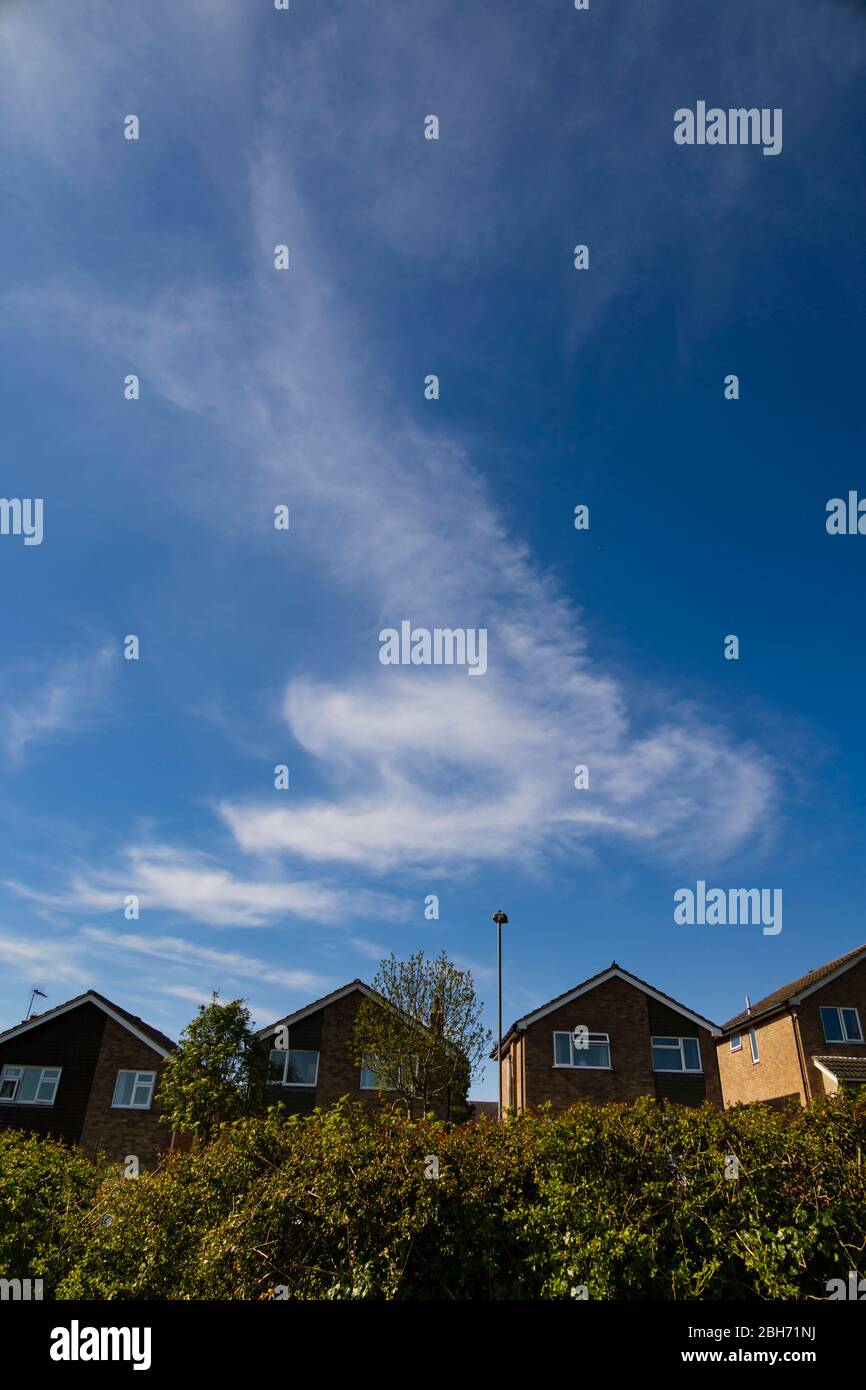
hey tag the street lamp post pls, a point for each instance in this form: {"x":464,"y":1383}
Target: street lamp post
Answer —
{"x":501,"y":920}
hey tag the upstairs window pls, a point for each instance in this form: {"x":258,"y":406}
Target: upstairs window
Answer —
{"x":291,"y":1067}
{"x":841,"y":1025}
{"x":29,"y":1085}
{"x":133,"y":1090}
{"x":753,"y":1044}
{"x":676,"y":1054}
{"x":595,"y":1056}
{"x":372,"y":1079}
{"x":737,"y":1043}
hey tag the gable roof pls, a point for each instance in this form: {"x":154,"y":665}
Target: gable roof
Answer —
{"x":131,"y":1022}
{"x":797,"y":989}
{"x":613,"y":971}
{"x":317,"y":1004}
{"x":841,"y":1069}
{"x":332,"y":998}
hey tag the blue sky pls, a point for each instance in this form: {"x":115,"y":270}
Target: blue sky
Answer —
{"x":306,"y":387}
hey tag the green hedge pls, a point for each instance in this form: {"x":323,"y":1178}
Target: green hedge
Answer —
{"x":627,"y":1201}
{"x":47,"y":1192}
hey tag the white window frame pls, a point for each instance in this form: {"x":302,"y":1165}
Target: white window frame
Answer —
{"x":295,"y":1085}
{"x":593,"y":1039}
{"x":15,"y":1071}
{"x":844,"y":1041}
{"x":366,"y":1067}
{"x":665,"y":1047}
{"x":139,"y":1079}
{"x":737,"y":1042}
{"x":753,"y":1046}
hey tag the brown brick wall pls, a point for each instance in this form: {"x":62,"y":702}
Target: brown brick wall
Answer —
{"x":338,"y":1075}
{"x":775,"y":1077}
{"x":71,"y":1041}
{"x":778,"y":1074}
{"x":710,"y":1064}
{"x":121,"y":1132}
{"x":848,"y":991}
{"x":621,"y":1010}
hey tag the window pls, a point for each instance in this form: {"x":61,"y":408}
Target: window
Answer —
{"x":595,"y":1056}
{"x":841,"y":1025}
{"x":676,"y":1054}
{"x":290,"y":1067}
{"x":753,"y":1044}
{"x":371,"y":1079}
{"x":29,"y":1085}
{"x":737,"y":1043}
{"x":133,"y":1090}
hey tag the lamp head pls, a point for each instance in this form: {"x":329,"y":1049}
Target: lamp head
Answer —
{"x":500,"y":918}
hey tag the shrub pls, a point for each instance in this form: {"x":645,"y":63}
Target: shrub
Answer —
{"x":45,"y":1191}
{"x":626,"y":1201}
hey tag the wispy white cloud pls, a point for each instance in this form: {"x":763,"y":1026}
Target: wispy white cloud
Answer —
{"x":38,"y":708}
{"x":368,"y":948}
{"x":56,"y":961}
{"x":196,"y":886}
{"x":422,"y":769}
{"x":223,"y":967}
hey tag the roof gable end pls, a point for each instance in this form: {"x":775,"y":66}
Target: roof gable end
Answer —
{"x":154,"y":1039}
{"x":779,"y":999}
{"x":614,"y":971}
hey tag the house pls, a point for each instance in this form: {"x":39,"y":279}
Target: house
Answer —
{"x":802,"y":1041}
{"x":86,"y":1072}
{"x":483,"y":1110}
{"x":612,"y":1038}
{"x":317,"y":1067}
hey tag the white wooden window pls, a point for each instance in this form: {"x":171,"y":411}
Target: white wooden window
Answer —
{"x":292,"y":1067}
{"x":737,"y":1042}
{"x":841,"y":1025}
{"x":595,"y":1056}
{"x":373,"y":1080}
{"x":133,"y":1090}
{"x":753,"y":1044}
{"x":676,"y":1054}
{"x":22,"y":1085}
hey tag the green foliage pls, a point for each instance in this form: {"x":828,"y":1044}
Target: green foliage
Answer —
{"x":45,"y":1191}
{"x":631,"y":1202}
{"x":428,"y":1039}
{"x":216,"y":1075}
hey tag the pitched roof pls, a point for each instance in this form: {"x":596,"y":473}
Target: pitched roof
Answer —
{"x":794,"y":991}
{"x":331,"y":998}
{"x":317,"y":1004}
{"x":612,"y":971}
{"x":842,"y":1068}
{"x":160,"y":1042}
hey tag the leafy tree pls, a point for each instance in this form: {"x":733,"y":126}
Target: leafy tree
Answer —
{"x":216,"y":1073}
{"x":423,"y":1035}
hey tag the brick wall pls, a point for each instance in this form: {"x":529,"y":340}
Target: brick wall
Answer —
{"x":846,"y":992}
{"x":775,"y":1077}
{"x":778,"y":1075}
{"x":621,"y":1010}
{"x":338,"y":1075}
{"x":71,"y":1041}
{"x":122,"y":1132}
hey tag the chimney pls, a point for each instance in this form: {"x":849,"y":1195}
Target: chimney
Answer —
{"x":748,"y":1005}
